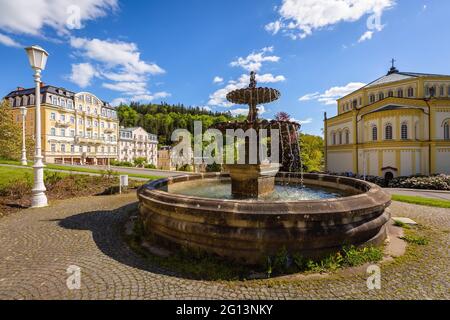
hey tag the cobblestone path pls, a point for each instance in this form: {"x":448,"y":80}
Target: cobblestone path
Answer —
{"x":37,"y":247}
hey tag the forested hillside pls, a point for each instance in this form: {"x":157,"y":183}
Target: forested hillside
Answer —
{"x":163,"y":119}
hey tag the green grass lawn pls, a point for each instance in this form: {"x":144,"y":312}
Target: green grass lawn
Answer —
{"x":83,"y":170}
{"x":8,"y":175}
{"x":422,"y":201}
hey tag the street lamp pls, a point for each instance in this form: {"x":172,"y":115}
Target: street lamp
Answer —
{"x":23,"y":111}
{"x":38,"y":59}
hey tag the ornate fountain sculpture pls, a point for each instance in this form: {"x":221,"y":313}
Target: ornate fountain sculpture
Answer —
{"x":258,"y":179}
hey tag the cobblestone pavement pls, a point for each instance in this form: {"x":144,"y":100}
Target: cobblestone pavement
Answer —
{"x":37,"y":247}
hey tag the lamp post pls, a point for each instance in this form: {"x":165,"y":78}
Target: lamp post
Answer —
{"x":23,"y":111}
{"x":38,"y":59}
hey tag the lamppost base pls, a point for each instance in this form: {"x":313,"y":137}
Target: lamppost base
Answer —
{"x":39,"y":200}
{"x":24,"y":163}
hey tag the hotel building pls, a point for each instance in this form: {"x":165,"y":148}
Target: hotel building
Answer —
{"x":397,"y":125}
{"x":137,"y":143}
{"x":77,"y":128}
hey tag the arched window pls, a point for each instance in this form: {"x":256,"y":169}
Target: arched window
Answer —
{"x":374,"y":133}
{"x":400,"y":93}
{"x":388,"y":132}
{"x":381,"y":96}
{"x":355,"y":103}
{"x":442,"y":91}
{"x":347,"y":137}
{"x":32,"y":99}
{"x":391,"y":94}
{"x":410,"y":92}
{"x":340,"y":137}
{"x":404,"y":131}
{"x":447,"y":130}
{"x":333,"y":137}
{"x":372,"y":98}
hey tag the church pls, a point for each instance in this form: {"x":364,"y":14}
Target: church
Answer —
{"x":396,"y":126}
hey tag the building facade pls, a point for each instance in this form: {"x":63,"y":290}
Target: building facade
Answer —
{"x":77,"y":128}
{"x":395,"y":126}
{"x":137,"y":143}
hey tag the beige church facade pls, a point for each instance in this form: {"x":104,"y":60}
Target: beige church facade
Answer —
{"x":395,"y":126}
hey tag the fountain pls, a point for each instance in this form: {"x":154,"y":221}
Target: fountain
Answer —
{"x":255,"y":210}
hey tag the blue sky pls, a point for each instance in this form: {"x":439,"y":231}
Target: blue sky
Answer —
{"x":173,"y":50}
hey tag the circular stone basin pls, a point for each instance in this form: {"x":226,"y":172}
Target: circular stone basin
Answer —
{"x":189,"y":212}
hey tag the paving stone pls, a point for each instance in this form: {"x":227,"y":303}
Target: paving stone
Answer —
{"x":37,"y":247}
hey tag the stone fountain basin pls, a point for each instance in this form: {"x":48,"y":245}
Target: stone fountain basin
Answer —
{"x":249,"y":231}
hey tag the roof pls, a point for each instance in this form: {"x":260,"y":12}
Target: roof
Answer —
{"x":44,"y":89}
{"x":395,"y":75}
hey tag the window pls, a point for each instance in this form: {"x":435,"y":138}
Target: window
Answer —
{"x":410,"y":92}
{"x":391,"y":94}
{"x":95,"y":124}
{"x":80,"y":121}
{"x":55,"y":101}
{"x":333,"y":136}
{"x":63,"y":103}
{"x":72,"y":133}
{"x":388,"y":132}
{"x":447,"y":130}
{"x":102,"y":124}
{"x":70,"y":104}
{"x":372,"y":98}
{"x":88,"y":149}
{"x":374,"y":133}
{"x":400,"y":93}
{"x":340,"y":137}
{"x":53,"y":148}
{"x":53,"y":132}
{"x":63,"y":148}
{"x":63,"y":132}
{"x":355,"y":103}
{"x":404,"y":131}
{"x":72,"y":120}
{"x":448,"y":90}
{"x":347,"y":137}
{"x":53,"y":116}
{"x":63,"y":118}
{"x":72,"y":149}
{"x":442,"y":91}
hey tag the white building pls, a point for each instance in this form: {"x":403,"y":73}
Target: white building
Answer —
{"x":137,"y":143}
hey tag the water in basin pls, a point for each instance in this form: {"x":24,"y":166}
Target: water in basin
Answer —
{"x":221,"y":189}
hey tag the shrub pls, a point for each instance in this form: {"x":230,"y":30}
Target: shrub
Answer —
{"x":150,"y":166}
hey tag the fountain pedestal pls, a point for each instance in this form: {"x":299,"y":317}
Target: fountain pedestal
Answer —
{"x":252,"y":180}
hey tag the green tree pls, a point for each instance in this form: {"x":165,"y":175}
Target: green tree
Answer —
{"x":11,"y":134}
{"x":312,"y":149}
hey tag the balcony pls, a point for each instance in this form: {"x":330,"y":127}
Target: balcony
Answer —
{"x":89,"y":141}
{"x":63,"y":124}
{"x":109,"y":130}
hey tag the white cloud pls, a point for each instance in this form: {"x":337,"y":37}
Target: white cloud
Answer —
{"x":116,"y":54}
{"x":302,"y":122}
{"x":144,"y":98}
{"x":82,"y":74}
{"x":120,"y":64}
{"x":218,"y":79}
{"x":31,"y":17}
{"x":254,"y":61}
{"x":9,"y":42}
{"x":218,"y":98}
{"x":330,"y":96}
{"x":300,"y":18}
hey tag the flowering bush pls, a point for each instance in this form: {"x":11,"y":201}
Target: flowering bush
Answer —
{"x":440,"y":182}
